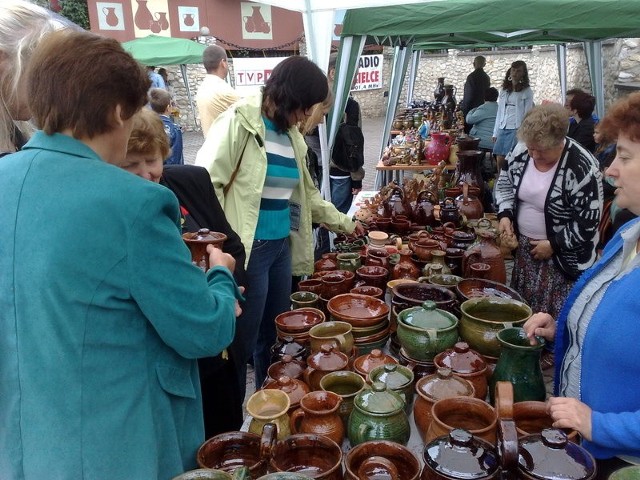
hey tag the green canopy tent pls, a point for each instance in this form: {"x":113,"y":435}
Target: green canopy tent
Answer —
{"x":472,"y":23}
{"x":157,"y":50}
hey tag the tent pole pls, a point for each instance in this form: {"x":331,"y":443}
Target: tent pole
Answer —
{"x":183,"y":69}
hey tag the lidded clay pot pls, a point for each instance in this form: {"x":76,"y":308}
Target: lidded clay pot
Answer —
{"x":197,"y":243}
{"x":550,"y":455}
{"x":397,"y":378}
{"x":467,"y":364}
{"x":286,"y":367}
{"x":460,"y":455}
{"x":365,"y":363}
{"x":328,"y":359}
{"x":294,"y":388}
{"x":430,"y":389}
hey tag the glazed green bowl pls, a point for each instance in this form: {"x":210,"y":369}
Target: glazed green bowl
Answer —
{"x":483,"y":317}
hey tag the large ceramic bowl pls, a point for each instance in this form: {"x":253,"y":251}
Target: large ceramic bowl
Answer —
{"x":414,"y":294}
{"x":483,"y":317}
{"x":405,"y":462}
{"x":358,"y":310}
{"x":479,"y":287}
{"x":299,"y":321}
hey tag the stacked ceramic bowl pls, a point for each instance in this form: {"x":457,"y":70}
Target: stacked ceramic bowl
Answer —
{"x":368,"y":316}
{"x":297,"y":323}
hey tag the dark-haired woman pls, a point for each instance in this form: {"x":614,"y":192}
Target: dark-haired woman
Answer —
{"x":514,"y":101}
{"x":256,"y":157}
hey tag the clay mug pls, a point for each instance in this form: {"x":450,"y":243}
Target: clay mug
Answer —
{"x":197,"y":243}
{"x":231,"y":450}
{"x":345,"y":384}
{"x":310,"y":285}
{"x":304,"y":299}
{"x":308,"y":454}
{"x":402,"y":463}
{"x":468,"y":413}
{"x":269,"y":406}
{"x":480,"y":270}
{"x":334,"y":284}
{"x":318,"y":413}
{"x":334,"y":334}
{"x":349,"y":261}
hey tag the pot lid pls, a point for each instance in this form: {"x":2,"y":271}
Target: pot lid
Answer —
{"x":549,"y":456}
{"x":287,"y":366}
{"x":427,"y":316}
{"x":328,"y":359}
{"x":394,"y":376}
{"x":443,"y":384}
{"x":461,"y":359}
{"x":204,"y":235}
{"x":379,"y":400}
{"x":461,"y":455}
{"x":376,"y":358}
{"x":295,"y":389}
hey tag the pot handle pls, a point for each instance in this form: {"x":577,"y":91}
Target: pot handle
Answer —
{"x":363,"y":430}
{"x":432,"y":333}
{"x":469,"y":260}
{"x":268,"y":439}
{"x":295,"y":420}
{"x":484,"y":223}
{"x":504,"y":400}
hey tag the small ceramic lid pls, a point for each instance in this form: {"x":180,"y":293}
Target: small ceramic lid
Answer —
{"x":461,"y":359}
{"x":392,"y":375}
{"x":549,"y":455}
{"x":379,"y":400}
{"x":295,"y":389}
{"x":365,"y":363}
{"x":288,"y":346}
{"x":204,"y":235}
{"x":427,"y":316}
{"x":443,"y":384}
{"x":286,"y":367}
{"x":328,"y":359}
{"x":461,"y":455}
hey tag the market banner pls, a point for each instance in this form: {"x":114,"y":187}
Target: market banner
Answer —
{"x":249,"y":74}
{"x":369,"y":74}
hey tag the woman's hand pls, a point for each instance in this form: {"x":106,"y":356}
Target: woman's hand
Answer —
{"x":570,"y":413}
{"x":359,"y":230}
{"x":238,"y":308}
{"x":505,"y":226}
{"x":541,"y":249}
{"x":218,"y":258}
{"x":540,"y":325}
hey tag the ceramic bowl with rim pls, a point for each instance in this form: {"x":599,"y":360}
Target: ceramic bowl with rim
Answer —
{"x":358,"y":310}
{"x":445,"y":280}
{"x":369,"y":291}
{"x":479,"y":287}
{"x":299,"y":321}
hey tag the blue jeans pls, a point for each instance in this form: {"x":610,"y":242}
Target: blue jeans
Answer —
{"x":341,"y":193}
{"x":267,"y":295}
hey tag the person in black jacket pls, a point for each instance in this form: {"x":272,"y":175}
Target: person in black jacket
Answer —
{"x":581,"y":107}
{"x":199,"y":207}
{"x":475,"y":87}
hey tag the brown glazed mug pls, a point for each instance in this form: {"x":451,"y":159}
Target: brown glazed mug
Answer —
{"x":308,"y":454}
{"x":197,"y":243}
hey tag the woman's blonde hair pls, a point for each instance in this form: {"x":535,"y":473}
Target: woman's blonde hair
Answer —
{"x":22,"y":26}
{"x":318,"y":113}
{"x":545,"y":125}
{"x":148,"y":135}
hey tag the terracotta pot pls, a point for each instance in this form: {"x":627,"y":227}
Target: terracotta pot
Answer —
{"x":286,"y":367}
{"x":376,"y":358}
{"x":334,"y":284}
{"x":374,"y":292}
{"x":468,"y":413}
{"x":358,"y":310}
{"x":531,"y":417}
{"x":318,"y":413}
{"x":377,"y":257}
{"x":345,"y":384}
{"x":197,"y":243}
{"x":405,"y":462}
{"x":308,"y":454}
{"x":328,"y":262}
{"x":437,"y":150}
{"x":467,"y":364}
{"x":486,"y":251}
{"x":323,"y":362}
{"x":373,"y":276}
{"x":467,"y":143}
{"x":231,"y":450}
{"x":434,"y":387}
{"x":311,"y":285}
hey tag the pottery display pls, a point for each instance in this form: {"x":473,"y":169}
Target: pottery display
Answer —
{"x":426,"y":331}
{"x":323,"y":362}
{"x":405,"y":463}
{"x":358,"y":310}
{"x":308,"y":454}
{"x":318,"y":413}
{"x":468,"y":413}
{"x":287,"y":366}
{"x":519,"y":364}
{"x":467,"y":364}
{"x":434,"y":387}
{"x":232,"y":450}
{"x":482,"y":318}
{"x":367,"y":362}
{"x":197,"y":243}
{"x":397,"y":378}
{"x":269,"y":406}
{"x":347,"y":385}
{"x":378,"y":414}
{"x":460,"y":455}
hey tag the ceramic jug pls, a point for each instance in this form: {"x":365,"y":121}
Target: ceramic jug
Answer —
{"x":318,"y":413}
{"x":269,"y":406}
{"x":449,"y":212}
{"x":437,"y":150}
{"x":423,"y":210}
{"x":486,"y":251}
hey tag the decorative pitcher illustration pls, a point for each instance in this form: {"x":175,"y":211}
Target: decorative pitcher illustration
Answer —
{"x":110,"y":16}
{"x":143,"y":18}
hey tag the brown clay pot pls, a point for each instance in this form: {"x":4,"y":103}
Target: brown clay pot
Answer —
{"x":406,"y":464}
{"x":486,"y":251}
{"x":320,"y":363}
{"x":376,"y":358}
{"x":532,"y":417}
{"x":312,"y":285}
{"x":467,"y":364}
{"x":308,"y":454}
{"x":318,"y":413}
{"x":468,"y":413}
{"x":372,"y":275}
{"x":358,"y":310}
{"x":231,"y":450}
{"x":197,"y":243}
{"x":286,"y":367}
{"x":295,"y":389}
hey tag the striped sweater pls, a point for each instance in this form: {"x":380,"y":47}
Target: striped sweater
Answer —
{"x":573,"y":205}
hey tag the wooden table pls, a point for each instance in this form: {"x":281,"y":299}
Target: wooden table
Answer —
{"x":386,"y":173}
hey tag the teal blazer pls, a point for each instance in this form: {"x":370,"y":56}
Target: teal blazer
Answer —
{"x":102,"y":317}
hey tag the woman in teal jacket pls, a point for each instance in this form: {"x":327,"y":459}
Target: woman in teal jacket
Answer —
{"x":256,"y":157}
{"x":102,"y":314}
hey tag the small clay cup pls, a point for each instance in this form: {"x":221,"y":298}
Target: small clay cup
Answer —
{"x":303,"y":299}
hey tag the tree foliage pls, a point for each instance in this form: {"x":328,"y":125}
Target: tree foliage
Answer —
{"x":76,"y":11}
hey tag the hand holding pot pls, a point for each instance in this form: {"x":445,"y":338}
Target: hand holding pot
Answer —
{"x":219,"y":258}
{"x":540,"y":325}
{"x":570,"y":413}
{"x":505,"y":225}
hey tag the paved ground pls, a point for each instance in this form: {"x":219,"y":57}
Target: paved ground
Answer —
{"x":371,"y":128}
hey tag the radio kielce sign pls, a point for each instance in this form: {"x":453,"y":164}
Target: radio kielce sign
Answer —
{"x":369,"y":73}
